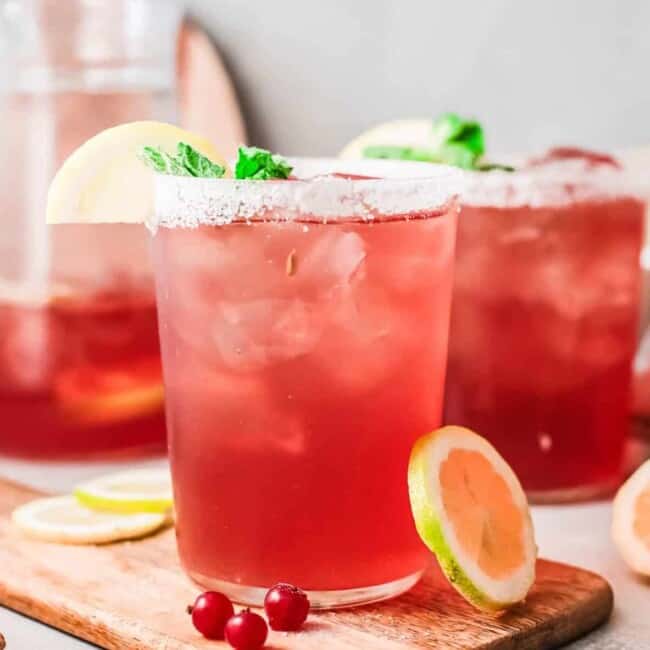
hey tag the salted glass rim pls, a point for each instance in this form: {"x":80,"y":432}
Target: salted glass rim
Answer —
{"x":395,"y":188}
{"x":559,"y":183}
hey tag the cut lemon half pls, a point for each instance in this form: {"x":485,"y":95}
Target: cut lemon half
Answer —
{"x":104,"y":180}
{"x":400,"y":133}
{"x":631,"y":520}
{"x":65,"y":521}
{"x":471,"y":511}
{"x":138,"y":490}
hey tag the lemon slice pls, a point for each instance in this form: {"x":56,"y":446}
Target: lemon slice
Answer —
{"x":133,"y":491}
{"x":104,"y":181}
{"x":400,"y":133}
{"x":88,"y":395}
{"x":631,"y":520}
{"x":65,"y":521}
{"x":471,"y":511}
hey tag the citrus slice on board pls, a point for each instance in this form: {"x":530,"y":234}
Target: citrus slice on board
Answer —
{"x":138,"y":490}
{"x":631,"y":520}
{"x":400,"y":133}
{"x":471,"y":511}
{"x":104,"y":180}
{"x":65,"y":521}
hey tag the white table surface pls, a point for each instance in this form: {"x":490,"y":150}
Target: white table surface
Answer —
{"x":577,"y":534}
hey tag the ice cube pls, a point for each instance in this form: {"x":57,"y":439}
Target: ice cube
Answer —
{"x":27,"y":351}
{"x":252,"y":335}
{"x":366,"y":340}
{"x":330,"y":259}
{"x":240,"y":408}
{"x":425,"y":250}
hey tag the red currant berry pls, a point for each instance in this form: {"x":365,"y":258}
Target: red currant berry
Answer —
{"x":246,"y":630}
{"x":210,"y":612}
{"x":286,"y":607}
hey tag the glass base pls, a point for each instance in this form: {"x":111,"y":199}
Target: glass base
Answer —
{"x":335,"y":599}
{"x":573,"y":495}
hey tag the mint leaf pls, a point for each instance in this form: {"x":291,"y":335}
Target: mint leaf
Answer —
{"x":450,"y":154}
{"x":402,"y":153}
{"x":457,"y":155}
{"x":161,"y":162}
{"x":488,"y":167}
{"x":450,"y":128}
{"x":259,"y":164}
{"x":187,"y":162}
{"x":456,"y":141}
{"x":197,"y":164}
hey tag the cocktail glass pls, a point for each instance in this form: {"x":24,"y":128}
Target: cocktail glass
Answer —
{"x":304,"y":329}
{"x":544,"y":321}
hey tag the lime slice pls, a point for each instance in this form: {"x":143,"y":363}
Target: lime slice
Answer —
{"x":104,"y":181}
{"x":400,"y":133}
{"x":470,"y":510}
{"x":65,"y":521}
{"x":631,"y":520}
{"x":133,"y":491}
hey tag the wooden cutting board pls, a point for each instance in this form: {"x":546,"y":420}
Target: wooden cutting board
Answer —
{"x":133,"y":596}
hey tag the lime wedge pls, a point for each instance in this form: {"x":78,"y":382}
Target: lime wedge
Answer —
{"x":471,"y":511}
{"x":133,"y":491}
{"x":65,"y":521}
{"x":104,"y":181}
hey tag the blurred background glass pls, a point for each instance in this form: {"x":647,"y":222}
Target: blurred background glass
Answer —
{"x":79,"y":361}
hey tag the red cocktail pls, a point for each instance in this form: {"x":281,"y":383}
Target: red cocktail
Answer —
{"x":544,"y":322}
{"x":304,"y":337}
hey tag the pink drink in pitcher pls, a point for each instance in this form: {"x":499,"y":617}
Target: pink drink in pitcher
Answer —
{"x":80,"y":371}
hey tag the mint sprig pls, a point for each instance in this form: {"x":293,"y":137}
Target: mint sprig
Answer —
{"x":187,"y":162}
{"x":451,"y":130}
{"x":402,"y":153}
{"x":252,"y":163}
{"x":197,"y":164}
{"x":456,"y":141}
{"x":259,"y":164}
{"x":162,"y":163}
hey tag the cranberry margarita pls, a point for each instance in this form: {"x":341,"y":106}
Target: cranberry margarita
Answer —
{"x":544,"y":322}
{"x":304,"y":330}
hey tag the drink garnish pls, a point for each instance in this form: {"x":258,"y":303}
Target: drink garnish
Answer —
{"x":454,"y":141}
{"x":253,"y":163}
{"x":105,"y":180}
{"x":449,"y":139}
{"x":187,"y":162}
{"x":631,"y":520}
{"x":259,"y":164}
{"x":471,"y":511}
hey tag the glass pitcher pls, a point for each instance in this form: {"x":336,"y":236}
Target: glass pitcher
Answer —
{"x":80,"y":368}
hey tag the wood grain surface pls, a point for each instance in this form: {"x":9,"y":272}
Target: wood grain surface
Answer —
{"x":132,"y":596}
